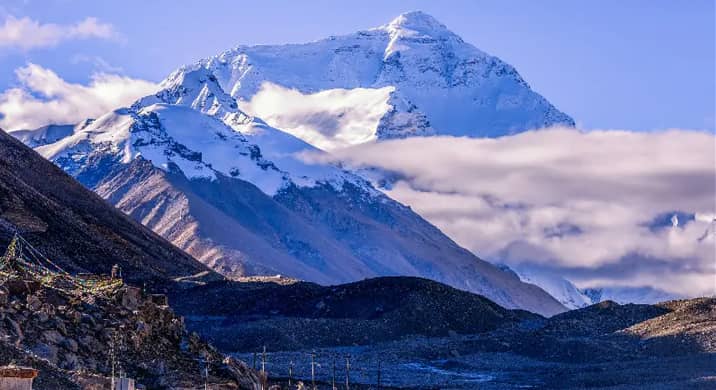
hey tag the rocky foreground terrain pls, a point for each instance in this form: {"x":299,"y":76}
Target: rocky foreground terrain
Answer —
{"x":75,"y":339}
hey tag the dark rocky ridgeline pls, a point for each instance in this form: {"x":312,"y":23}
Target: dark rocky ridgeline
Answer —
{"x":283,"y":314}
{"x":71,"y":339}
{"x":77,"y":229}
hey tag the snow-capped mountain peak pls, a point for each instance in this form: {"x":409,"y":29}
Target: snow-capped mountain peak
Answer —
{"x":409,"y":77}
{"x":199,"y":89}
{"x":417,"y":21}
{"x":416,"y":27}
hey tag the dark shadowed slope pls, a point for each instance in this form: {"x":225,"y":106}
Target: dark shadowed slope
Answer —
{"x":243,"y":316}
{"x":76,"y":228}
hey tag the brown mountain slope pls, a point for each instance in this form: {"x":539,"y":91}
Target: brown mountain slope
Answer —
{"x":77,"y":229}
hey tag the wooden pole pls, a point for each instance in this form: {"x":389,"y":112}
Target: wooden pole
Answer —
{"x":263,"y":361}
{"x":290,"y":373}
{"x":348,"y":372}
{"x":333,"y":374}
{"x":313,"y":370}
{"x":379,"y":386}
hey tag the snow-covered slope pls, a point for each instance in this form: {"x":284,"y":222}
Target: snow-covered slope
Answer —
{"x":409,"y":77}
{"x":228,"y":188}
{"x":573,"y":297}
{"x":560,"y":288}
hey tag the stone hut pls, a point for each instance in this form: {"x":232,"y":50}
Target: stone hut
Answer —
{"x":17,"y":378}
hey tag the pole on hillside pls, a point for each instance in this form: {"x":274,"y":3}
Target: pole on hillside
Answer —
{"x":313,"y":370}
{"x":379,"y":386}
{"x":333,"y":374}
{"x":348,"y":372}
{"x":263,"y":361}
{"x":206,"y":373}
{"x":290,"y":373}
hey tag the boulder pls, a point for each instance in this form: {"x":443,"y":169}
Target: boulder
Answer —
{"x":130,"y":297}
{"x":159,"y":299}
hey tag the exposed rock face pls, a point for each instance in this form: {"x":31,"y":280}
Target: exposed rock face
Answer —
{"x":78,"y":340}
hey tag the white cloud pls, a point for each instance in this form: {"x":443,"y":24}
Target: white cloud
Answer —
{"x":575,"y":202}
{"x":43,"y":97}
{"x":327,"y":119}
{"x":26,"y":33}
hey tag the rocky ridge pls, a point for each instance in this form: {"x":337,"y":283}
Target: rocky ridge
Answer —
{"x":80,"y":336}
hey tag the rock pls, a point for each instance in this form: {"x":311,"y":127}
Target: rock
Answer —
{"x":19,"y":287}
{"x":69,"y":344}
{"x":69,"y":361}
{"x":130,"y":297}
{"x":88,"y":319}
{"x":42,"y":316}
{"x":52,"y":336}
{"x":34,"y":303}
{"x":46,"y":351}
{"x":159,"y":299}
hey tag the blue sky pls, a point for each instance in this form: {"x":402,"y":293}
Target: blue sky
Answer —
{"x":639,"y":65}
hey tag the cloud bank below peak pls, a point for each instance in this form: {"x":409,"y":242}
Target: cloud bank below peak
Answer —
{"x":581,"y":204}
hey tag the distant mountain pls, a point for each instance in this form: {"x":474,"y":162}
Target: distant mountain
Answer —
{"x":74,"y":227}
{"x":409,"y":77}
{"x":573,"y":297}
{"x":560,"y":288}
{"x":628,"y":294}
{"x":230,"y":190}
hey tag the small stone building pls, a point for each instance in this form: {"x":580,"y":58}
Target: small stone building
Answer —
{"x":17,"y":378}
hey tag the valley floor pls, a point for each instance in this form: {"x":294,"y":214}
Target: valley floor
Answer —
{"x":443,"y":363}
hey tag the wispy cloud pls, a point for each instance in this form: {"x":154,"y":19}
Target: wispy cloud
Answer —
{"x":97,"y":62}
{"x":580,"y":204}
{"x":25,"y":33}
{"x":43,"y":97}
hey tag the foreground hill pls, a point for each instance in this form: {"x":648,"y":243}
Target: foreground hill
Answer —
{"x":250,"y":314}
{"x":77,"y":229}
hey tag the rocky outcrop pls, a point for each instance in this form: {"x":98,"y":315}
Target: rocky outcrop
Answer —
{"x":80,"y":337}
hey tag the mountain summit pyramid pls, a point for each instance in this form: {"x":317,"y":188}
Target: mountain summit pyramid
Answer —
{"x":409,"y":77}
